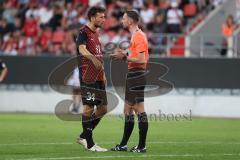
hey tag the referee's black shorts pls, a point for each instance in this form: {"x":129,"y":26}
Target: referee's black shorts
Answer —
{"x":94,"y":93}
{"x":135,"y":85}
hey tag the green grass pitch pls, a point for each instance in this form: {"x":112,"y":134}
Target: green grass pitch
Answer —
{"x":45,"y":137}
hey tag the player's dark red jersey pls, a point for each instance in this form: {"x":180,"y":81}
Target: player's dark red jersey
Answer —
{"x":88,"y":71}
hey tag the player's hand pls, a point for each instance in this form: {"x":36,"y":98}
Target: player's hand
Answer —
{"x":105,"y":79}
{"x":118,"y":54}
{"x":97,"y":63}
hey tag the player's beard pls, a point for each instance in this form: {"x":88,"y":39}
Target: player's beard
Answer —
{"x":98,"y":25}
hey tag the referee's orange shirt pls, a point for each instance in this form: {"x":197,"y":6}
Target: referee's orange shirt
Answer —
{"x":139,"y":45}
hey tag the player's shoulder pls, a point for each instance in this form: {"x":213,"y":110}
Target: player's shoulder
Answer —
{"x":82,"y":33}
{"x":83,"y":29}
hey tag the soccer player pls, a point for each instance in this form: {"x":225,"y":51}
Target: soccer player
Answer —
{"x":137,"y":58}
{"x":3,"y":70}
{"x":92,"y":76}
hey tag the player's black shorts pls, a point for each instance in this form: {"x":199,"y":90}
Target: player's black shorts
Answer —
{"x":135,"y":85}
{"x":94,"y":93}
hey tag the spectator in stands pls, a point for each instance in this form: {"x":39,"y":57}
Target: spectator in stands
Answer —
{"x":81,"y":15}
{"x":5,"y":27}
{"x":56,"y":20}
{"x":69,"y":14}
{"x":45,"y":40}
{"x":9,"y":12}
{"x":138,"y":4}
{"x":31,"y":30}
{"x":203,"y":5}
{"x":57,"y":40}
{"x":33,"y":12}
{"x":45,"y":13}
{"x":10,"y":44}
{"x":30,"y":27}
{"x":120,"y":36}
{"x":163,"y":4}
{"x":83,"y":2}
{"x":228,"y":28}
{"x":174,"y":18}
{"x":147,"y":13}
{"x":190,"y":9}
{"x":157,"y":28}
{"x":216,"y":3}
{"x":40,"y":25}
{"x":23,"y":2}
{"x":69,"y":46}
{"x":17,"y":24}
{"x":22,"y":43}
{"x":44,"y":2}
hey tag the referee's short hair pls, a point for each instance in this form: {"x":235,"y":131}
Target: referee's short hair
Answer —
{"x":133,"y":14}
{"x":92,"y":12}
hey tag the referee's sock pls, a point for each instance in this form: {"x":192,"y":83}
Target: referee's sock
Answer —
{"x":143,"y":128}
{"x":128,"y":128}
{"x":87,"y":130}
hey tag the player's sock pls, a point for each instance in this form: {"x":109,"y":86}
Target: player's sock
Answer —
{"x":128,"y":128}
{"x":143,"y":128}
{"x":95,"y":120}
{"x":87,"y":130}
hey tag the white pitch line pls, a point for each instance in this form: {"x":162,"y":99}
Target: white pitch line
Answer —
{"x":35,"y":144}
{"x":135,"y":156}
{"x":150,"y":142}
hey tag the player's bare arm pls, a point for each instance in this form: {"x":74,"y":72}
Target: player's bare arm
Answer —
{"x":3,"y":74}
{"x":83,"y":50}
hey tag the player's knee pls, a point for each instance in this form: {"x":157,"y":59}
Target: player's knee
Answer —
{"x":128,"y":111}
{"x":88,"y":110}
{"x":102,"y":110}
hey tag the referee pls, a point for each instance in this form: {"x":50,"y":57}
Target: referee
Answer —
{"x":92,"y":77}
{"x":137,"y":58}
{"x":3,"y":71}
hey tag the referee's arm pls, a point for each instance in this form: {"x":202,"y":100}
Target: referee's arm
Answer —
{"x":139,"y":59}
{"x":123,"y":54}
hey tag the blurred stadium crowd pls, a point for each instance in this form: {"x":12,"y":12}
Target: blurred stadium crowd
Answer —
{"x":37,"y":27}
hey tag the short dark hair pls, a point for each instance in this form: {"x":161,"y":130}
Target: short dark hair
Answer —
{"x":133,"y":15}
{"x":92,"y":12}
